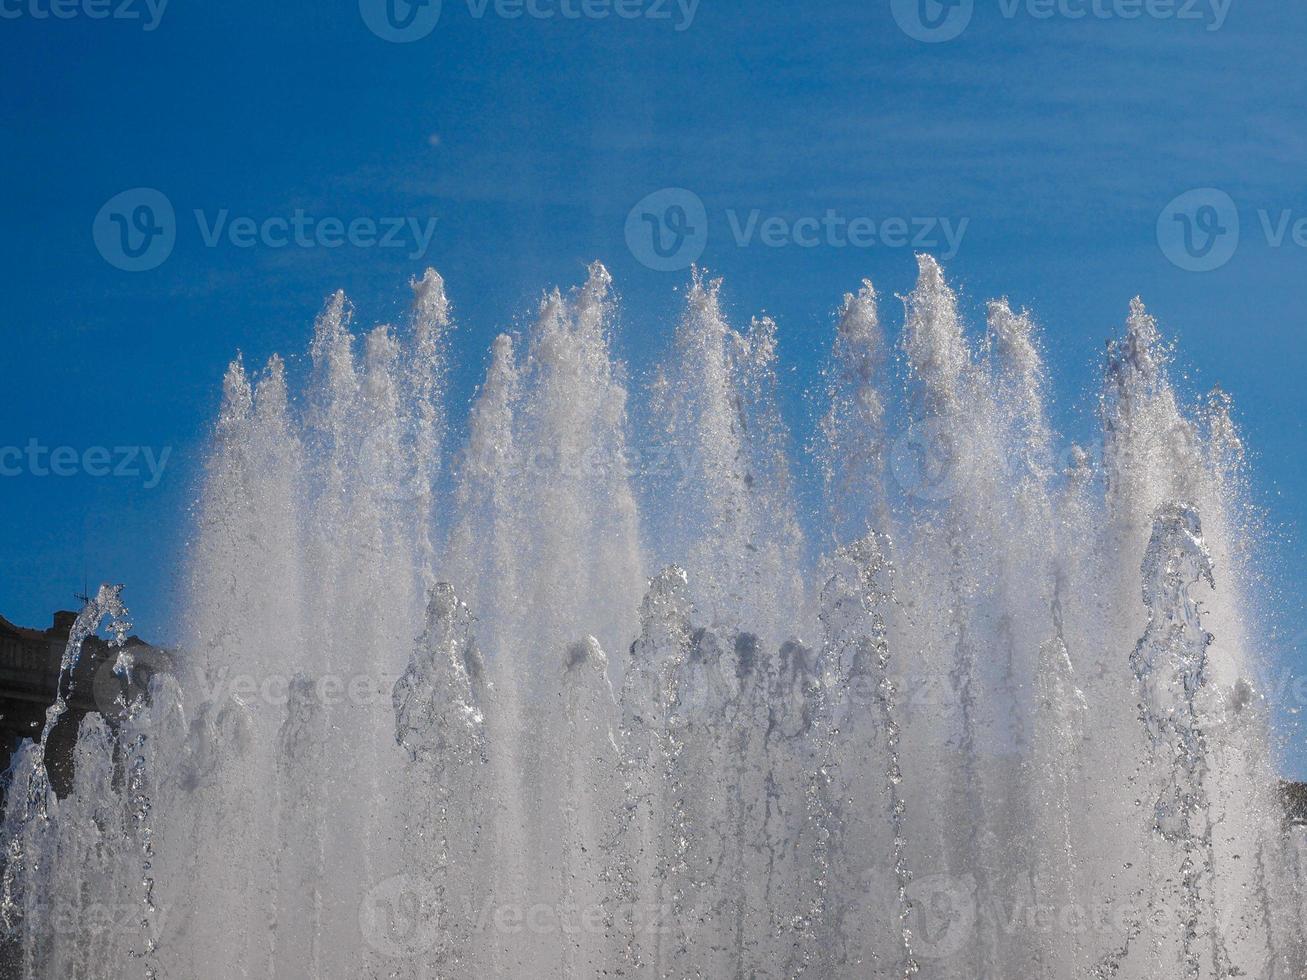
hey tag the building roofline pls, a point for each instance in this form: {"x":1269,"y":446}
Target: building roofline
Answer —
{"x":26,"y":632}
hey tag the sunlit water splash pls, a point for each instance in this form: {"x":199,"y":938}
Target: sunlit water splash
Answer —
{"x":1004,"y":725}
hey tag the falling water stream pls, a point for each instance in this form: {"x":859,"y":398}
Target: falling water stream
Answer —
{"x":575,"y":699}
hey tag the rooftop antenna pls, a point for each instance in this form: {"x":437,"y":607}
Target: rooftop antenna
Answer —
{"x":84,"y":595}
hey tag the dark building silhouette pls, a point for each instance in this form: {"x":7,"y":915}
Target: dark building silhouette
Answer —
{"x":1295,"y":802}
{"x":29,"y":678}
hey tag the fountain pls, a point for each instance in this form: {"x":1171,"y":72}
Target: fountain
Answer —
{"x":591,"y":696}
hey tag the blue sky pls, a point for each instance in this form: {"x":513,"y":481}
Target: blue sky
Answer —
{"x":1058,"y":139}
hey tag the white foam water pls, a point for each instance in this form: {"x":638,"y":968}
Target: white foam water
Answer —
{"x":1003,"y":725}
